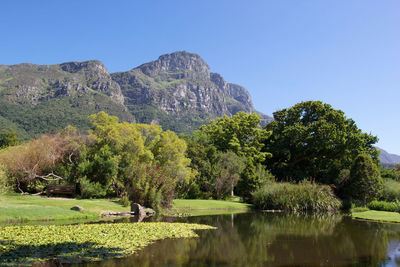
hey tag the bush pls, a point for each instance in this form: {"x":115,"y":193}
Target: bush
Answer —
{"x":384,"y":206}
{"x":90,"y":189}
{"x":304,"y":196}
{"x":389,"y":173}
{"x":125,"y":201}
{"x":391,"y":190}
{"x":5,"y":184}
{"x":151,"y":186}
{"x":365,"y":182}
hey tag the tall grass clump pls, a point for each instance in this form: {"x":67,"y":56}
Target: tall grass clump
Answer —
{"x":391,"y":190}
{"x":384,"y":205}
{"x":304,"y":196}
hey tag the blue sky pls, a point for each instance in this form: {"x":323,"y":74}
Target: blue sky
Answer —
{"x":343,"y":52}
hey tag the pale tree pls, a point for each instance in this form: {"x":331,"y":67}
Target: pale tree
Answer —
{"x":37,"y":159}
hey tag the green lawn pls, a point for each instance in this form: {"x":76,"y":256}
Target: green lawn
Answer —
{"x":376,"y":215}
{"x":207,"y":207}
{"x":17,"y":207}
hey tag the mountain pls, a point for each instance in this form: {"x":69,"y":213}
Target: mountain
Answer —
{"x":387,"y":159}
{"x":37,"y":99}
{"x":177,"y":91}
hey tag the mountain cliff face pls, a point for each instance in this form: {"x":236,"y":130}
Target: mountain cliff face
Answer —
{"x":178,"y":88}
{"x":36,"y":99}
{"x":177,"y":91}
{"x":30,"y":84}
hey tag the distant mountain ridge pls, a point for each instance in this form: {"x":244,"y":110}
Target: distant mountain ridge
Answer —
{"x":177,"y":91}
{"x":388,"y":159}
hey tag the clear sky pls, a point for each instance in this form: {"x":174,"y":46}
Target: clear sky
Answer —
{"x":343,"y":52}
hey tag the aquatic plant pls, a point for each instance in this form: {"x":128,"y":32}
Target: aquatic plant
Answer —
{"x":24,"y":245}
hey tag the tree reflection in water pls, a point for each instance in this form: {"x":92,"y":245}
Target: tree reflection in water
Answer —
{"x":264,"y":239}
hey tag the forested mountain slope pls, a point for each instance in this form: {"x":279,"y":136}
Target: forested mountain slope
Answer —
{"x":177,"y":91}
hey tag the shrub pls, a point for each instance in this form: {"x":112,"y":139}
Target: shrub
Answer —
{"x":365,"y":183}
{"x":5,"y":184}
{"x":91,"y":189}
{"x":389,"y":173}
{"x":151,"y":186}
{"x":384,"y":205}
{"x":125,"y":201}
{"x":391,"y":190}
{"x":38,"y":160}
{"x":8,"y":139}
{"x":304,"y":196}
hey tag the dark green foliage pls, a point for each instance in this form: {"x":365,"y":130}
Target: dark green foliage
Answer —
{"x":204,"y":157}
{"x":91,"y":189}
{"x":229,"y":167}
{"x":343,"y":178}
{"x":9,"y":126}
{"x":365,"y":183}
{"x":150,"y":187}
{"x":100,"y":164}
{"x":138,"y":161}
{"x":254,"y":176}
{"x":125,"y":200}
{"x":186,"y":124}
{"x":133,"y":161}
{"x":390,"y":190}
{"x":234,"y":140}
{"x":384,"y":206}
{"x":8,"y":139}
{"x":304,"y":196}
{"x":389,"y":173}
{"x":242,"y":135}
{"x":55,"y":114}
{"x":311,"y":140}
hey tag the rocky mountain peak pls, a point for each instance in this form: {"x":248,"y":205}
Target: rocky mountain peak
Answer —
{"x":177,"y":91}
{"x":90,"y":65}
{"x":176,"y":62}
{"x":95,"y":72}
{"x":178,"y":87}
{"x":32,"y":84}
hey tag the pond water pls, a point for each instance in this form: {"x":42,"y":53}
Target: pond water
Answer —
{"x":271,"y":239}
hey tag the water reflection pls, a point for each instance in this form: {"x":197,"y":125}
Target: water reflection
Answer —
{"x":262,"y":239}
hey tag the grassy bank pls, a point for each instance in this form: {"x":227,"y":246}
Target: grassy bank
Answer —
{"x":17,"y":207}
{"x":25,"y":245}
{"x":301,"y":197}
{"x":196,"y":207}
{"x":375,"y":215}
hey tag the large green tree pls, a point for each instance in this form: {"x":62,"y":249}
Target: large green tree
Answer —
{"x":138,"y":160}
{"x":242,"y":135}
{"x":312,"y":140}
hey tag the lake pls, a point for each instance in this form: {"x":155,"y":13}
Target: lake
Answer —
{"x":274,"y":239}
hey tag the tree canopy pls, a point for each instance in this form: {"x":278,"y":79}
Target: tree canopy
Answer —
{"x":8,"y":138}
{"x":242,"y":135}
{"x":312,"y":140}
